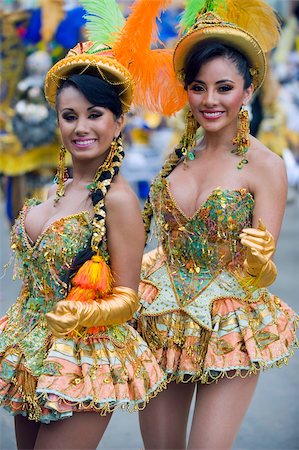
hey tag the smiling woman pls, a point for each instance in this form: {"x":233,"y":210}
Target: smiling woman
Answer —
{"x":66,"y":351}
{"x":217,"y":206}
{"x":89,"y":117}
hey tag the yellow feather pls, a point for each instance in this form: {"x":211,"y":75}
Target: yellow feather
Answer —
{"x":256,"y":17}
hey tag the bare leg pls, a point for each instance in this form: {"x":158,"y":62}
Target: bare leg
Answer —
{"x":83,"y":431}
{"x":163,"y":422}
{"x":219,"y":411}
{"x":26,"y":432}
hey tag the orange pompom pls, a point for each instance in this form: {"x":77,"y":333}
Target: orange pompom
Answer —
{"x":79,"y":294}
{"x":96,"y":330}
{"x":94,"y":274}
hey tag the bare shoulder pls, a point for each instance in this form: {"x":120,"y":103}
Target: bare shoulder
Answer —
{"x":263,"y":158}
{"x":121,"y":199}
{"x":266,"y":168}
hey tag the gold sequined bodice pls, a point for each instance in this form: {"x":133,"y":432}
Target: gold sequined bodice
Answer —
{"x":199,"y":247}
{"x":44,"y":264}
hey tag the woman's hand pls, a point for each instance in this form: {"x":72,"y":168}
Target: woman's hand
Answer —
{"x":113,"y":309}
{"x":260,"y":247}
{"x":63,"y":320}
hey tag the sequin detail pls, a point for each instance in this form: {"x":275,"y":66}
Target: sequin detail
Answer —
{"x":46,"y":378}
{"x":197,"y":318}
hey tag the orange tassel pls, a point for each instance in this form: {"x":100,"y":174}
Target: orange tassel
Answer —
{"x":92,"y":281}
{"x":94,"y":274}
{"x":96,"y":330}
{"x":79,"y":294}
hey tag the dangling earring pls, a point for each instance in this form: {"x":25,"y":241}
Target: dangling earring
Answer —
{"x":242,"y":138}
{"x":188,"y":140}
{"x":61,"y":175}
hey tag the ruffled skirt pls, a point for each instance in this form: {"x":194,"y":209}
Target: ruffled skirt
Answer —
{"x":100,"y":373}
{"x":244,"y":337}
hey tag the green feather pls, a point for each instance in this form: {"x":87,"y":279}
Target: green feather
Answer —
{"x":104,"y":20}
{"x":193,"y":7}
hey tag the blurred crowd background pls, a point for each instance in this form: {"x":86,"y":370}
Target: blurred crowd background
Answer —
{"x":36,"y":33}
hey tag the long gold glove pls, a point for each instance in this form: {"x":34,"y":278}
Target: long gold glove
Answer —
{"x":260,"y":248}
{"x":113,"y":309}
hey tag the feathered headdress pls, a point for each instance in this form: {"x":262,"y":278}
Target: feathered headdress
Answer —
{"x":250,"y":26}
{"x":121,"y":51}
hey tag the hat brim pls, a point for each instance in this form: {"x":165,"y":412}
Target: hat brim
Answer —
{"x":226,"y":34}
{"x":105,"y":67}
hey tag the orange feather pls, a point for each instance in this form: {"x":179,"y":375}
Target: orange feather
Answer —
{"x":156,"y":86}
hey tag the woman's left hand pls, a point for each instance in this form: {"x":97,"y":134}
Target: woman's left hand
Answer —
{"x":62,"y":320}
{"x":260,"y":247}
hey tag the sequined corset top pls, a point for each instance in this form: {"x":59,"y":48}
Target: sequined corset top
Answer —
{"x":42,"y":265}
{"x":199,"y":247}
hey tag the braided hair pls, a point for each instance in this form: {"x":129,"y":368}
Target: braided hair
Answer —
{"x":101,"y":93}
{"x":172,"y":161}
{"x":99,"y":188}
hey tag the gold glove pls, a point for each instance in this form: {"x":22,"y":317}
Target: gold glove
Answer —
{"x":260,"y":248}
{"x":113,"y":309}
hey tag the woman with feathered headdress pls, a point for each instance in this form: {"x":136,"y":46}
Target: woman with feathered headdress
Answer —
{"x":66,"y":351}
{"x":217,"y":205}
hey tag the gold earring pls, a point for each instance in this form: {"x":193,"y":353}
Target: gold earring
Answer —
{"x":61,"y":175}
{"x":242,"y":138}
{"x":188,"y":140}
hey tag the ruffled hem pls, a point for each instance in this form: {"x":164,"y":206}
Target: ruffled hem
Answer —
{"x":61,"y":408}
{"x":94,"y":374}
{"x":245,"y":338}
{"x":213,"y":375}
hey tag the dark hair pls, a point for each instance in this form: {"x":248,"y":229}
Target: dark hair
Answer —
{"x":97,"y":91}
{"x":197,"y":57}
{"x":206,"y":51}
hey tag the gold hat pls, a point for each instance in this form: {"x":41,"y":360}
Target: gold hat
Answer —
{"x":210,"y":27}
{"x":91,"y":58}
{"x":249,"y":26}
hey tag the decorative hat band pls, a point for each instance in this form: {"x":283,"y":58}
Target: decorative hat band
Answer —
{"x":210,"y":27}
{"x":89,"y":58}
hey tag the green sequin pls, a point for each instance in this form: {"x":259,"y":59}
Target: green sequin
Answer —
{"x":198,"y":247}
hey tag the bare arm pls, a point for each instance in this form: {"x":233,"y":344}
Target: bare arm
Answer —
{"x":270,"y":193}
{"x":270,"y":199}
{"x":125,"y":235}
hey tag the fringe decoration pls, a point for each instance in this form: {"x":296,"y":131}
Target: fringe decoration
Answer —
{"x":104,"y":20}
{"x":93,"y":281}
{"x":79,"y":294}
{"x":95,"y":274}
{"x":25,"y":384}
{"x":157,"y":87}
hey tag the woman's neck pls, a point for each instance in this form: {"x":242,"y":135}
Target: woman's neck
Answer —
{"x":84,"y":171}
{"x":217,"y":142}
